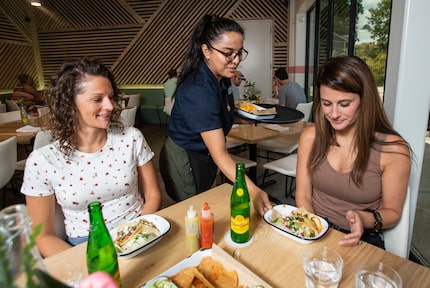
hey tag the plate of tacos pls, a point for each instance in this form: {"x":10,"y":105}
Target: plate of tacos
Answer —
{"x":135,"y":236}
{"x":296,"y":223}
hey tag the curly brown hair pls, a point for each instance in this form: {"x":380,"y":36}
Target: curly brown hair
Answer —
{"x":60,"y":98}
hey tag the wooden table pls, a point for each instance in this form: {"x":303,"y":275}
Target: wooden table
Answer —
{"x":8,"y":129}
{"x":271,"y":256}
{"x":252,"y":134}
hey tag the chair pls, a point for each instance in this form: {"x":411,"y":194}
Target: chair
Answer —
{"x":276,"y":145}
{"x":60,"y":230}
{"x":397,"y":238}
{"x":8,"y":156}
{"x":133,"y":100}
{"x":11,"y":105}
{"x":168,"y":105}
{"x":305,"y":108}
{"x":42,"y":111}
{"x":285,"y":166}
{"x":10,"y":116}
{"x":248,"y":164}
{"x":128,"y":116}
{"x":42,"y":138}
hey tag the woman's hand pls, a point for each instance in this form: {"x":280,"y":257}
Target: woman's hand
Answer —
{"x":261,"y":201}
{"x":356,"y":228}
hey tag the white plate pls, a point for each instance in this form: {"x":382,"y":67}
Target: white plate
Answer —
{"x":285,"y":209}
{"x":254,"y":116}
{"x":162,"y":224}
{"x":246,"y":277}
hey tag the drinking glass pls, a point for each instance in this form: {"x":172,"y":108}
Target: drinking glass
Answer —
{"x":68,"y":273}
{"x":323,"y":267}
{"x":372,"y":274}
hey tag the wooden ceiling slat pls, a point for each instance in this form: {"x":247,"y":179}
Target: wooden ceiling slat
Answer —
{"x":140,"y":40}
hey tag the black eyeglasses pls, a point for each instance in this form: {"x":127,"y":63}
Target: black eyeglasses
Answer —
{"x":230,"y":56}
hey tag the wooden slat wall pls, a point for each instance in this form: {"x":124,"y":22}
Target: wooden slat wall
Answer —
{"x":140,"y":40}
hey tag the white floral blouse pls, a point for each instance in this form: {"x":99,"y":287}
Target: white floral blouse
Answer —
{"x":108,"y":176}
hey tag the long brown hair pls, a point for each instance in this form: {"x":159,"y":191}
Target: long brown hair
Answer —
{"x":351,"y":74}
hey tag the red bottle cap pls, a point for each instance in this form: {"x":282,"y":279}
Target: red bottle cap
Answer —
{"x":206,"y":211}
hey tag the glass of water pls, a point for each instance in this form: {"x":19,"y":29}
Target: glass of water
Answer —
{"x":68,"y":273}
{"x":372,"y":274}
{"x":323,"y":267}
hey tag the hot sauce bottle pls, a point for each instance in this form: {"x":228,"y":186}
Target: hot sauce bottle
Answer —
{"x":206,"y":227}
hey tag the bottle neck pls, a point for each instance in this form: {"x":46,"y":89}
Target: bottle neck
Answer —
{"x":240,"y":172}
{"x":95,"y":211}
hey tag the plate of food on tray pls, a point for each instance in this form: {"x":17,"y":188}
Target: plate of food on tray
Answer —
{"x":296,"y":223}
{"x":256,"y":112}
{"x":137,"y":235}
{"x":207,"y":268}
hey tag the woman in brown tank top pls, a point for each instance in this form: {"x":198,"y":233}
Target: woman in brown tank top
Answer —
{"x":352,"y":159}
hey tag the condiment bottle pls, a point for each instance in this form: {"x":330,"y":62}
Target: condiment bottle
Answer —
{"x":192,"y":230}
{"x":240,"y":208}
{"x":101,"y":253}
{"x":206,"y":227}
{"x":24,"y":115}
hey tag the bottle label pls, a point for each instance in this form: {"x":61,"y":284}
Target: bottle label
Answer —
{"x":239,"y":224}
{"x":239,"y":192}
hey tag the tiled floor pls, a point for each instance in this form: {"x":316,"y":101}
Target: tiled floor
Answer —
{"x":156,"y":135}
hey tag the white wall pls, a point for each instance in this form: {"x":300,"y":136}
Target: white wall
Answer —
{"x":258,"y":65}
{"x":407,"y":91}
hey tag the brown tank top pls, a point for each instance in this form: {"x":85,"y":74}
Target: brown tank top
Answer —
{"x":335,"y":193}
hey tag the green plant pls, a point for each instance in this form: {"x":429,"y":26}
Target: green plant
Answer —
{"x":35,"y":278}
{"x":251,"y":93}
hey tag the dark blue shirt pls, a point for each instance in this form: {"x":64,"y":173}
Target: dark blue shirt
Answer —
{"x":201,"y":104}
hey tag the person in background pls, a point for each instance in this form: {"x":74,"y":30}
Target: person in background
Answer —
{"x":93,"y":158}
{"x":203,"y":113}
{"x":353,"y":167}
{"x":289,"y":92}
{"x":170,"y":85}
{"x":236,"y":80}
{"x":26,"y":93}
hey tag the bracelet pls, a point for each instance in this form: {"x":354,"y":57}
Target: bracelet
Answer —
{"x":377,"y":226}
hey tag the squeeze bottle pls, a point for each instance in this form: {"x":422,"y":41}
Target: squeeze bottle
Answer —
{"x":206,"y":227}
{"x":192,"y":230}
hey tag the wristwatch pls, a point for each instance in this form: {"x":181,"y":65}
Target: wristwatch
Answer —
{"x":377,"y":227}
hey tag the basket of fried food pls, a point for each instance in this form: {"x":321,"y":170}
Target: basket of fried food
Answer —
{"x":209,"y":273}
{"x":208,"y":268}
{"x":252,"y":108}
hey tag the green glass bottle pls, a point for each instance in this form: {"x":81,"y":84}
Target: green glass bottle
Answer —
{"x":101,"y":253}
{"x":240,"y":208}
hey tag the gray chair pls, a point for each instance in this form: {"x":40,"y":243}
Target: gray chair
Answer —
{"x":128,"y":116}
{"x":285,"y":166}
{"x":397,"y":238}
{"x":11,"y":105}
{"x":10,"y":116}
{"x":305,"y":108}
{"x":133,"y":100}
{"x":8,"y":156}
{"x":42,"y":138}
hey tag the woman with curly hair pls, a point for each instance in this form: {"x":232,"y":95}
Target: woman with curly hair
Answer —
{"x":353,"y":167}
{"x":93,"y":158}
